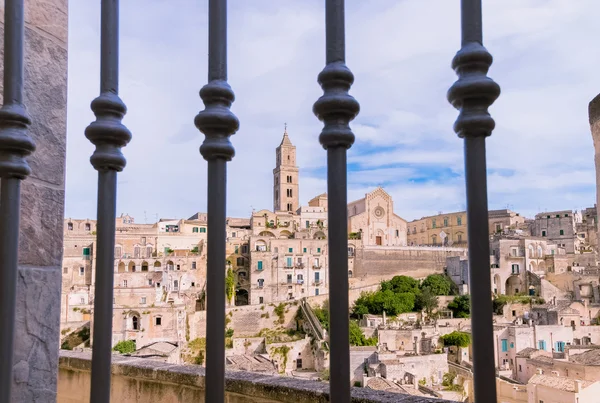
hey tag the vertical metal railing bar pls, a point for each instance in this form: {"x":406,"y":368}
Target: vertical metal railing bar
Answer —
{"x":336,"y":108}
{"x":109,"y":135}
{"x":218,"y":123}
{"x":15,"y":145}
{"x":472,"y":94}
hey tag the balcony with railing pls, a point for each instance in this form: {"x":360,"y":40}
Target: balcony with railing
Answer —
{"x":27,"y":368}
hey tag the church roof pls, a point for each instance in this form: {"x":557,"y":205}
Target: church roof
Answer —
{"x":285,"y":141}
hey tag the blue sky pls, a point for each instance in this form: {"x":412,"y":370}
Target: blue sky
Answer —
{"x":539,"y":157}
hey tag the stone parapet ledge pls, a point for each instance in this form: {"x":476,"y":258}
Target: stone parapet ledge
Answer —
{"x":147,"y":381}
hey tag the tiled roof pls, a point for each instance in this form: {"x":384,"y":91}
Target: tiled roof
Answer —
{"x":591,"y":357}
{"x":544,"y":359}
{"x":526,"y":352}
{"x":560,"y":383}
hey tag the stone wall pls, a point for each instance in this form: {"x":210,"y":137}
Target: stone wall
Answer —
{"x":247,"y":320}
{"x":42,"y":203}
{"x":413,"y":261}
{"x":146,"y":381}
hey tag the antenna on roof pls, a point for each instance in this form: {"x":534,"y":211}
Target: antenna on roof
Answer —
{"x":145,"y":218}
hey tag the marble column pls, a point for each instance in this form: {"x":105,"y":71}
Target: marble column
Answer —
{"x":42,"y":202}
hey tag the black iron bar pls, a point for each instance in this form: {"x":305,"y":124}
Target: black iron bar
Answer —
{"x":109,"y":135}
{"x":218,"y":123}
{"x":336,"y":108}
{"x":15,"y":145}
{"x":472,"y":94}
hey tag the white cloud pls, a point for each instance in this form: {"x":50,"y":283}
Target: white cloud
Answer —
{"x":400,"y":52}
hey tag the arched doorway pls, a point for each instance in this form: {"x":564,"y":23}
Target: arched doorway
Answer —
{"x":241,"y":297}
{"x":497,"y":285}
{"x":514,"y":285}
{"x":121,"y":268}
{"x":131,"y":267}
{"x":144,"y":266}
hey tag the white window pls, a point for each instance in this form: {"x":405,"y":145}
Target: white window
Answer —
{"x":143,"y":300}
{"x":81,"y":271}
{"x":124,"y":283}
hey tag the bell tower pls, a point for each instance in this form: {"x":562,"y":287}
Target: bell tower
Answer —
{"x":285,"y":177}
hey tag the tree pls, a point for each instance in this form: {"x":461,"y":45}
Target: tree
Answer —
{"x":461,"y":306}
{"x":401,"y":284}
{"x":357,"y":337}
{"x":427,"y":301}
{"x":439,"y":284}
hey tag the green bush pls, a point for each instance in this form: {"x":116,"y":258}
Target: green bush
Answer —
{"x":357,"y":337}
{"x":280,"y":312}
{"x":459,"y":339}
{"x":125,"y":346}
{"x":502,"y":300}
{"x":322,"y":314}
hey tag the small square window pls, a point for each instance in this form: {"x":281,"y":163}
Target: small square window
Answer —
{"x":194,"y":264}
{"x":143,"y":300}
{"x":65,"y":270}
{"x":82,"y":300}
{"x":81,"y":271}
{"x":158,"y":321}
{"x":124,"y":283}
{"x":562,"y":232}
{"x":304,"y":250}
{"x":193,"y":284}
{"x":543,"y":233}
{"x":70,"y":226}
{"x":260,"y":300}
{"x":318,"y":250}
{"x":290,"y":250}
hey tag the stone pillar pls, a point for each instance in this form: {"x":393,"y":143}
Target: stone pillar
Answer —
{"x":594,"y":116}
{"x":42,"y":203}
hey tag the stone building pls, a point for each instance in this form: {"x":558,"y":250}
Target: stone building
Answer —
{"x":513,"y":257}
{"x":450,"y":229}
{"x":373,"y":220}
{"x":557,"y":226}
{"x":159,"y":275}
{"x":587,"y":231}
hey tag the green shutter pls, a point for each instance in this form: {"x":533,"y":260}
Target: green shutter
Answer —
{"x":260,"y":265}
{"x":86,"y":251}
